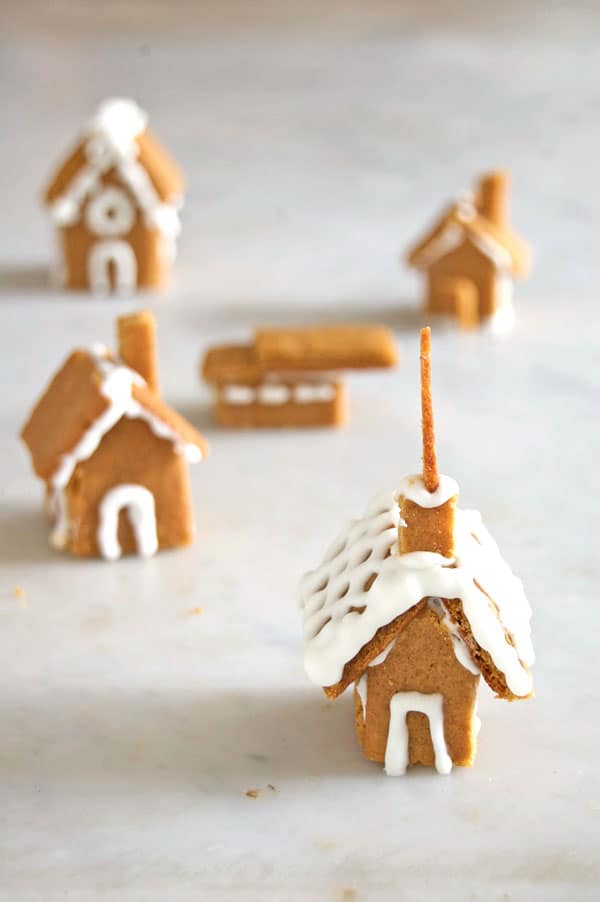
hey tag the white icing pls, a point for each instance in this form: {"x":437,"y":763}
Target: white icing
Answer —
{"x":361,"y":689}
{"x":139,"y":503}
{"x":116,"y":388}
{"x":383,"y":655}
{"x":311,"y":393}
{"x":110,"y":212}
{"x":118,"y":122}
{"x":396,"y":751}
{"x":238,"y":394}
{"x":503,"y":318}
{"x":124,"y":264}
{"x":273,"y":394}
{"x":334,"y":634}
{"x":460,"y":649}
{"x":448,"y":240}
{"x":413,"y":488}
{"x":111,"y":144}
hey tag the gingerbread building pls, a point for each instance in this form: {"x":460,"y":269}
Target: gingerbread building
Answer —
{"x":293,"y":377}
{"x":411,"y":604}
{"x":113,"y":456}
{"x":115,"y":204}
{"x":471,"y":256}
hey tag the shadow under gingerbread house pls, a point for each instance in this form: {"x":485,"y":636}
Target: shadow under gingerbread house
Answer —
{"x":113,"y":456}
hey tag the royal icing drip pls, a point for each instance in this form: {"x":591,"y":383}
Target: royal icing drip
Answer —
{"x":361,"y":689}
{"x":381,"y":657}
{"x":460,"y":649}
{"x":334,"y":631}
{"x":139,"y":503}
{"x":121,"y":255}
{"x":413,"y":489}
{"x":396,"y":751}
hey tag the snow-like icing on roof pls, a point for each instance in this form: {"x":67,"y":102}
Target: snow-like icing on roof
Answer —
{"x":116,"y":387}
{"x":118,"y":121}
{"x":364,"y":583}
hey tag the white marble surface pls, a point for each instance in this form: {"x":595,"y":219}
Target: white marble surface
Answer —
{"x":317,"y":141}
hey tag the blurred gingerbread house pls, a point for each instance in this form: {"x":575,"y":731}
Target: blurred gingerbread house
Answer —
{"x":115,"y":204}
{"x":471,"y":257}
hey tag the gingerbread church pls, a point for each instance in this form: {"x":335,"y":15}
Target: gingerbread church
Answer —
{"x":471,"y":256}
{"x":115,"y":204}
{"x":412,"y":604}
{"x":112,"y":455}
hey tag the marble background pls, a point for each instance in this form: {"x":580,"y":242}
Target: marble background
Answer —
{"x":318,"y":140}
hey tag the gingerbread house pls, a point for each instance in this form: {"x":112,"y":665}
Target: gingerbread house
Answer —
{"x":113,"y":456}
{"x":292,"y":377}
{"x":411,"y":604}
{"x":471,"y":256}
{"x":115,"y":204}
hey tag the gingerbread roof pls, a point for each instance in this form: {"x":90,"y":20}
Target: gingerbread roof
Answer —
{"x":304,"y":349}
{"x":364,"y":592}
{"x":462,"y":220}
{"x":116,"y":139}
{"x":88,"y":395}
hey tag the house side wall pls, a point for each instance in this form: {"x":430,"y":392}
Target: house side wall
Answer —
{"x":421,"y":660}
{"x":78,"y":240}
{"x":464,"y":262}
{"x":131,"y":453}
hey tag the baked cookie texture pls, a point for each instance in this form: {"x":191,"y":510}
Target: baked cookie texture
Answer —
{"x":115,"y":204}
{"x":471,"y":256}
{"x":113,"y":456}
{"x":412,"y":604}
{"x":291,"y":377}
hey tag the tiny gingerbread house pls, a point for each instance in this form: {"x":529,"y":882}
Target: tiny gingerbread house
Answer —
{"x":412,"y":604}
{"x":115,"y":205}
{"x":292,"y":377}
{"x":113,"y":456}
{"x":471,"y":257}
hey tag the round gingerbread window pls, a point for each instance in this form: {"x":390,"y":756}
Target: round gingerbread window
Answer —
{"x":110,"y":212}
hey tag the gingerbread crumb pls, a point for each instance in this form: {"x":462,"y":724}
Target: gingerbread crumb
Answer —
{"x":195,"y":612}
{"x":252,"y":793}
{"x":19,"y":592}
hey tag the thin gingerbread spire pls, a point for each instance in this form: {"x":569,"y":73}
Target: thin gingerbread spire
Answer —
{"x":431,"y":476}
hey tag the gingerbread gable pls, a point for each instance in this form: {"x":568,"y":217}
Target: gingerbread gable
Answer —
{"x":88,"y":395}
{"x":462,"y":221}
{"x":118,"y":142}
{"x":365,"y":592}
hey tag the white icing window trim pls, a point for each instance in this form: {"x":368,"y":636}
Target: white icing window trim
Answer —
{"x":273,"y":393}
{"x":110,"y":212}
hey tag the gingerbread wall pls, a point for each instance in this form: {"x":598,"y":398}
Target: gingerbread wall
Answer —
{"x":466,"y":261}
{"x":131,"y":453}
{"x":78,"y":240}
{"x":422,"y":660}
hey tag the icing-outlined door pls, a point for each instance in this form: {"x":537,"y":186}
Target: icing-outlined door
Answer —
{"x":112,"y":266}
{"x":139,"y":504}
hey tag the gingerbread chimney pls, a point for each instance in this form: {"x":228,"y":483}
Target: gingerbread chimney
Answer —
{"x":492,"y":196}
{"x":137,"y":346}
{"x":427,"y":502}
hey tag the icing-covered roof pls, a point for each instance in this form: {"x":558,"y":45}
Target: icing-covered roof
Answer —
{"x":88,"y":395}
{"x":117,"y":138}
{"x":462,"y":220}
{"x":363,"y":584}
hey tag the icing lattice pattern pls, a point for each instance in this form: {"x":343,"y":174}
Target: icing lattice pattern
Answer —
{"x":363,"y":584}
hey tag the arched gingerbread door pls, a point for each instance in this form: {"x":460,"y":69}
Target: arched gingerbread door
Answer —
{"x":112,"y":266}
